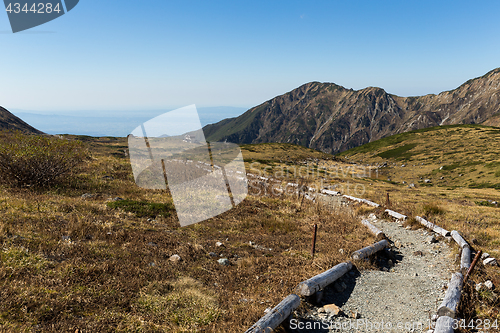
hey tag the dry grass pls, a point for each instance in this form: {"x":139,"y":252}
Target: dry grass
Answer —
{"x":464,"y":156}
{"x":68,"y":262}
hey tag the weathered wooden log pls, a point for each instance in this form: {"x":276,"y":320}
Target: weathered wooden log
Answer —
{"x":320,"y":281}
{"x":276,"y":316}
{"x":330,"y":192}
{"x":451,"y":299}
{"x":374,"y":230}
{"x":444,"y":324}
{"x":459,"y":239}
{"x":368,"y":202}
{"x":433,"y":227}
{"x":396,"y":215}
{"x":369,"y":250}
{"x":465,"y":259}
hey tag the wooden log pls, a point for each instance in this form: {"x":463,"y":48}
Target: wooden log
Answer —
{"x":444,"y":324}
{"x":432,"y":226}
{"x":276,"y":316}
{"x":374,"y":230}
{"x":449,"y":306}
{"x":330,"y":192}
{"x":368,"y":202}
{"x":459,"y":239}
{"x":320,"y":281}
{"x":396,"y":215}
{"x":465,"y":259}
{"x":369,"y":250}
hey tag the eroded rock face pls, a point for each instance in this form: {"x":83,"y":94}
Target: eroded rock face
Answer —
{"x":332,"y":119}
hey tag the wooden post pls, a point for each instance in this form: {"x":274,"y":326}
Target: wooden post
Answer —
{"x":388,"y":202}
{"x":471,"y":268}
{"x":276,"y":316}
{"x":374,"y":230}
{"x":369,"y":250}
{"x":320,"y":281}
{"x":449,"y":306}
{"x":459,"y":239}
{"x":313,"y":246}
{"x":444,"y":324}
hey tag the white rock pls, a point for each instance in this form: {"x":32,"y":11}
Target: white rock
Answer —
{"x":479,"y":286}
{"x":490,"y":262}
{"x":224,"y":262}
{"x":485,"y":255}
{"x":219,"y":244}
{"x":488,"y":284}
{"x":175,"y":258}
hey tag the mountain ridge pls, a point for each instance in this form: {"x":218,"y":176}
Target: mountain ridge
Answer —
{"x":9,"y":121}
{"x":331,"y":118}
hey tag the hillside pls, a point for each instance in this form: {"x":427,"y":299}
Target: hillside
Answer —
{"x":10,"y":122}
{"x":452,"y":156}
{"x":331,"y":118}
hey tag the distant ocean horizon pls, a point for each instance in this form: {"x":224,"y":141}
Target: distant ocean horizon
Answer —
{"x":111,"y":123}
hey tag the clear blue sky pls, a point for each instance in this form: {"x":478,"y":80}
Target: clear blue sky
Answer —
{"x":140,"y":55}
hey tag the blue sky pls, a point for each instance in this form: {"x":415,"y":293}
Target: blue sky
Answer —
{"x":159,"y":54}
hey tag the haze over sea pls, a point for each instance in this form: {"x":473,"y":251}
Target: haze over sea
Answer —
{"x":111,"y":123}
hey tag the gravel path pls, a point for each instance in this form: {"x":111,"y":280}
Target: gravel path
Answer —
{"x":405,"y":291}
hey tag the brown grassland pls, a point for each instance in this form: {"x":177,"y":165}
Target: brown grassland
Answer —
{"x":90,"y":263}
{"x":71,"y":262}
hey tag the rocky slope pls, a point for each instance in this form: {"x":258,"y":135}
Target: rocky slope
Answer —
{"x":331,"y":118}
{"x":10,"y":122}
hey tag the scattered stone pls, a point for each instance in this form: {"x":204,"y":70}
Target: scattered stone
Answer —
{"x":212,"y":254}
{"x":224,"y":262}
{"x":403,"y":165}
{"x":431,"y":240}
{"x":488,"y":284}
{"x":152,"y":264}
{"x":418,"y":253}
{"x":332,"y":309}
{"x":441,"y":168}
{"x":479,"y":286}
{"x":355,"y":315}
{"x":118,"y":199}
{"x":485,"y":255}
{"x":175,"y":258}
{"x":219,"y":244}
{"x":341,"y":251}
{"x":87,"y":196}
{"x":490,"y":262}
{"x":427,"y":181}
{"x":108,"y":178}
{"x":372,"y":217}
{"x":441,"y":177}
{"x":411,"y":185}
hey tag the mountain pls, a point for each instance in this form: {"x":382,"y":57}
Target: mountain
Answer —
{"x":331,"y":118}
{"x":10,"y":122}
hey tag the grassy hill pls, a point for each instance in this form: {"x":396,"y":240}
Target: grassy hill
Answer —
{"x":449,"y":156}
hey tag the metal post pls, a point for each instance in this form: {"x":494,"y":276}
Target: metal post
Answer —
{"x":313,"y":247}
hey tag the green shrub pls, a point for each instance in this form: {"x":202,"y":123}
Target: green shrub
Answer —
{"x":37,"y":160}
{"x":143,"y":208}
